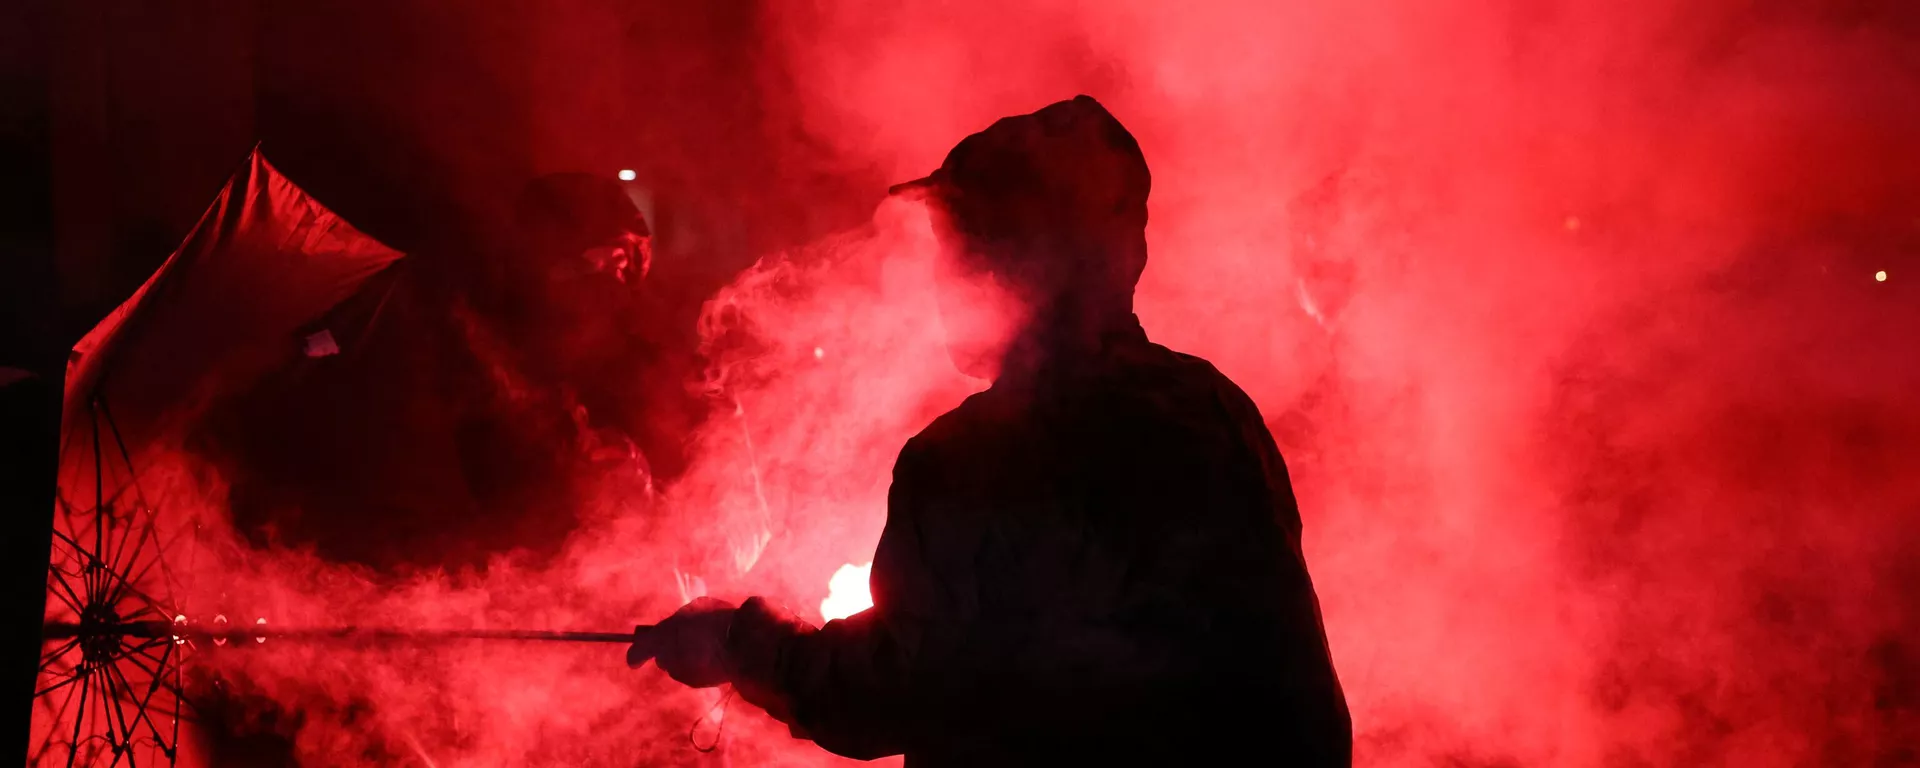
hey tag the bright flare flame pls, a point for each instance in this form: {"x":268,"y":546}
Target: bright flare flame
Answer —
{"x":847,"y":592}
{"x":1880,"y":276}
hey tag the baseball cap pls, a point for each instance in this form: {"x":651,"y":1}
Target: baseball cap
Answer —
{"x":1071,"y":161}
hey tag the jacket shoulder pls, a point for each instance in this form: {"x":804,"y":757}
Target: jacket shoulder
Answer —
{"x":1198,"y":379}
{"x":966,"y":422}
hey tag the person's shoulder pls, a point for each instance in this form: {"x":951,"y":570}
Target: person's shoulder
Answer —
{"x":1201,"y":376}
{"x":1190,"y":368}
{"x":1190,"y":364}
{"x":962,"y":424}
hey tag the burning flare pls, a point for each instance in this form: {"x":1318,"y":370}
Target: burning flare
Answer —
{"x":847,"y":592}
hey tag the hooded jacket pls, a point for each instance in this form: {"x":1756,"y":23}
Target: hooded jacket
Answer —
{"x":1094,"y":562}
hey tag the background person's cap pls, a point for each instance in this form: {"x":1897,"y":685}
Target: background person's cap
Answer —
{"x":586,"y":209}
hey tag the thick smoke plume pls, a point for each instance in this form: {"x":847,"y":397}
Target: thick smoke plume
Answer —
{"x":1565,"y":316}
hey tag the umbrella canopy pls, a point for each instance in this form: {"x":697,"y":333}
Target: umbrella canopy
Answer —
{"x":240,"y":296}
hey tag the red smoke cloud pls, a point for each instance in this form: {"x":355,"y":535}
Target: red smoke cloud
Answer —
{"x":1564,"y":315}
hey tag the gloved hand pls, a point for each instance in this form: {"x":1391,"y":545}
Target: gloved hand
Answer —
{"x":690,"y":646}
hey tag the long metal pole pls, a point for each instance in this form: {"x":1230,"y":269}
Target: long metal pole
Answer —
{"x":238,"y":634}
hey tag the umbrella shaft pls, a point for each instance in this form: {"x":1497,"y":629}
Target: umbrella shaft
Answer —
{"x":161,"y":629}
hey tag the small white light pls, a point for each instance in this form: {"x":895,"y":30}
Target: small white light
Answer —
{"x":220,"y":622}
{"x":627,"y":174}
{"x":1880,"y":276}
{"x":262,"y":624}
{"x":819,"y":353}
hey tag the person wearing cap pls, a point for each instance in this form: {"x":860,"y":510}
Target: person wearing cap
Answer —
{"x":575,"y":315}
{"x":1096,"y":560}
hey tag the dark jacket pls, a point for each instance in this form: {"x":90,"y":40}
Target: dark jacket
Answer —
{"x":1095,"y":562}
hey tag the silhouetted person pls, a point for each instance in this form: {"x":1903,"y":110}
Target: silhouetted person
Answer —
{"x":1097,"y":560}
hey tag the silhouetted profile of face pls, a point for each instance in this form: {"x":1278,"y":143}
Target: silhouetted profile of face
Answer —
{"x":981,"y":312}
{"x":625,"y":257}
{"x":1041,"y":220}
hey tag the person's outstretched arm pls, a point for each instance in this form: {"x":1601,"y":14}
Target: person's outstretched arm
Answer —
{"x":851,"y":686}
